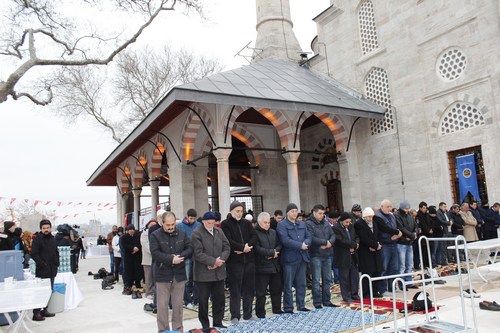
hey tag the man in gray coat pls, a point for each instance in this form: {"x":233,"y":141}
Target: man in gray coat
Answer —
{"x":211,"y":250}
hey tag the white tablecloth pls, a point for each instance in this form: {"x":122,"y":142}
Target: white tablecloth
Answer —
{"x":73,"y":295}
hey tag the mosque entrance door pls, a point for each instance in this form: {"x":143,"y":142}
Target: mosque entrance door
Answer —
{"x":334,"y":195}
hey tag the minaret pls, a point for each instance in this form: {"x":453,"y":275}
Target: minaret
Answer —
{"x":275,"y":37}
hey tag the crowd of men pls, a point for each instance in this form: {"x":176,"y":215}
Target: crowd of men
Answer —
{"x":190,"y":262}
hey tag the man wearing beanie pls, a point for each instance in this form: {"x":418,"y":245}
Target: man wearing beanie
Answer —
{"x":241,"y":263}
{"x":408,"y":227}
{"x":388,"y":236}
{"x":295,"y":240}
{"x":7,"y":237}
{"x":46,"y":256}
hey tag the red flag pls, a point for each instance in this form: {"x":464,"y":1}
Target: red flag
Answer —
{"x":78,"y":204}
{"x":26,"y":200}
{"x":69,"y":203}
{"x":75,"y":215}
{"x":90,"y":203}
{"x":59,"y":203}
{"x":107,"y":204}
{"x":12,"y":201}
{"x":65,"y":216}
{"x":36,"y":202}
{"x":46,"y":203}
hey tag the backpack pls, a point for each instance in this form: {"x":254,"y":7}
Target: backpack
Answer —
{"x":419,"y":300}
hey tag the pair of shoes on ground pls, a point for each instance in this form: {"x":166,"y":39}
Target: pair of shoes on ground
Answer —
{"x":136,"y":294}
{"x":40,"y":316}
{"x":491,"y":306}
{"x":127,"y":291}
{"x":149,"y":307}
{"x":468,"y":293}
{"x":329,"y":305}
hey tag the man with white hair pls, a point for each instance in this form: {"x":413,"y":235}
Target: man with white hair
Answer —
{"x":388,"y":237}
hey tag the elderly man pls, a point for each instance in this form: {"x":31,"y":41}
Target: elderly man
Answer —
{"x":170,"y":247}
{"x":46,"y":256}
{"x":267,"y":266}
{"x":211,"y":250}
{"x":295,"y":241}
{"x":470,"y":233}
{"x":321,"y":252}
{"x":387,"y":237}
{"x":241,"y":263}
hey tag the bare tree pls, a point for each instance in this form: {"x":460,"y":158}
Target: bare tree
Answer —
{"x":125,"y":94}
{"x":39,"y":33}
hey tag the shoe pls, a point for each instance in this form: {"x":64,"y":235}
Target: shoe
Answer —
{"x":189,"y":305}
{"x":235,"y":321}
{"x":106,"y":286}
{"x":38,"y":317}
{"x":331,"y":305}
{"x":376,"y":294}
{"x":46,"y":313}
{"x":304,"y":309}
{"x":149,"y":296}
{"x":440,"y":282}
{"x":220,"y":326}
{"x":467,"y":293}
{"x":155,"y":310}
{"x":149,"y":307}
{"x":134,"y":295}
{"x":489,"y":306}
{"x":319,"y":306}
{"x":127,"y":292}
{"x":412,"y":286}
{"x":138,"y":294}
{"x":252,"y":318}
{"x":278,"y":312}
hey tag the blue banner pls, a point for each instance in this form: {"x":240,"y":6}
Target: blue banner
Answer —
{"x":467,"y":178}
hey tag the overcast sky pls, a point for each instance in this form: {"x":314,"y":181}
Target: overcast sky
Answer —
{"x":44,"y":158}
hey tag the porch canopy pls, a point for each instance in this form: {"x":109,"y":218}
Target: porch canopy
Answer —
{"x":269,"y":83}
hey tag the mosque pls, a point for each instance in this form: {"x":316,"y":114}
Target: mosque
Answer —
{"x":399,"y":100}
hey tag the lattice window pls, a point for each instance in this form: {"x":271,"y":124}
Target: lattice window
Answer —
{"x":377,"y":89}
{"x":460,"y":116}
{"x":451,"y":64}
{"x":367,"y":27}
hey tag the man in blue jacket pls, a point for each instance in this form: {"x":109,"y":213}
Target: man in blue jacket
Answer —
{"x":321,"y":252}
{"x":295,"y":240}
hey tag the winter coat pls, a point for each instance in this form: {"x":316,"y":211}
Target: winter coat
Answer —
{"x":425,"y":224}
{"x":128,"y":243}
{"x":188,"y":227}
{"x":146,"y":251}
{"x":387,"y":227}
{"x":268,"y":243}
{"x":470,"y":233}
{"x":163,"y":247}
{"x":239,"y":233}
{"x":408,"y":227}
{"x":491,"y":219}
{"x":441,"y":215}
{"x":207,"y":248}
{"x":46,"y":256}
{"x":343,"y":257}
{"x":291,"y":236}
{"x":5,"y":242}
{"x":369,"y":261}
{"x":321,"y":232}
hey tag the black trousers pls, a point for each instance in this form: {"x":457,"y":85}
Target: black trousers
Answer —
{"x":349,"y":281}
{"x":262,"y":281}
{"x":133,"y":272}
{"x":116,"y":273}
{"x":215,"y":290}
{"x":36,"y":311}
{"x":376,"y":287}
{"x":241,"y":286}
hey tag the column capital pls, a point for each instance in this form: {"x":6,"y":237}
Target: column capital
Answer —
{"x":137,"y":191}
{"x":154,"y":183}
{"x":291,"y":157}
{"x":222,"y":154}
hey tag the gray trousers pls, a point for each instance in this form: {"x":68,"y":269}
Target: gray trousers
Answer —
{"x":165,"y":291}
{"x":148,"y":280}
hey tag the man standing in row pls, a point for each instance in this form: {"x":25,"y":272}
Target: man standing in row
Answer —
{"x":170,"y":247}
{"x":46,"y":256}
{"x":321,"y":252}
{"x":295,"y":241}
{"x":241,"y":263}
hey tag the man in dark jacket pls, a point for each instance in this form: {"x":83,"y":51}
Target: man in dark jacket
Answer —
{"x":132,"y":259}
{"x":446,"y":221}
{"x":491,"y":220}
{"x":267,"y":266}
{"x":170,"y":247}
{"x":211,"y":250}
{"x":346,"y":257}
{"x":46,"y":256}
{"x":321,"y":253}
{"x":295,"y":242}
{"x":241,"y":263}
{"x":407,"y":225}
{"x":6,"y":237}
{"x":474,"y":209}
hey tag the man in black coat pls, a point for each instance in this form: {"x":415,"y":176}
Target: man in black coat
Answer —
{"x":46,"y":256}
{"x":267,"y":265}
{"x":132,"y":258}
{"x":346,"y":257}
{"x":241,"y":263}
{"x":491,"y":220}
{"x":370,"y":258}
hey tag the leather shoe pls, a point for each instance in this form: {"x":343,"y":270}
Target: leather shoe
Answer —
{"x":304,"y":309}
{"x":46,"y":313}
{"x":288,"y":311}
{"x":486,"y":305}
{"x":331,"y":305}
{"x":318,"y":306}
{"x":278,"y":312}
{"x":38,"y":317}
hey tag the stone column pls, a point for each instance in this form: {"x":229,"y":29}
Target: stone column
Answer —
{"x":214,"y":184}
{"x":349,"y":177}
{"x":222,"y":156}
{"x":155,"y":195}
{"x":122,"y":208}
{"x":293,"y":177}
{"x":137,"y":205}
{"x":181,"y":187}
{"x":200,"y":188}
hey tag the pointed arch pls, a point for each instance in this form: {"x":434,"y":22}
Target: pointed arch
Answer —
{"x":334,"y":124}
{"x":191,"y":130}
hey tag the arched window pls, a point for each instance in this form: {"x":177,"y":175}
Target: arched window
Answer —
{"x":367,"y":27}
{"x":460,"y":116}
{"x":377,"y":90}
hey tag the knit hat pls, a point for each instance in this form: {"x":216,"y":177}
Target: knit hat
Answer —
{"x":45,"y":222}
{"x":345,"y":216}
{"x":368,"y":212}
{"x":130,"y":227}
{"x":290,"y":206}
{"x":235,"y":204}
{"x":7,"y":225}
{"x":405,"y":204}
{"x":211,"y":215}
{"x":356,"y":208}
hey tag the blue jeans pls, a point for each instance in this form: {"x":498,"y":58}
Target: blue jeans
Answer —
{"x":390,"y":265}
{"x":112,"y":261}
{"x":294,"y":275}
{"x":405,"y":260}
{"x":321,"y":268}
{"x":436,"y":250}
{"x":190,"y":286}
{"x":335,"y":269}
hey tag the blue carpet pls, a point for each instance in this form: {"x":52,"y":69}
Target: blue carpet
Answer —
{"x":326,"y":320}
